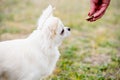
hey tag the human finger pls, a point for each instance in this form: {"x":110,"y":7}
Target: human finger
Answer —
{"x":100,"y":11}
{"x":92,"y":9}
{"x":98,"y":17}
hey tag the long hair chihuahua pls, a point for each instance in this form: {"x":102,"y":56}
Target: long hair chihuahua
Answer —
{"x":35,"y":57}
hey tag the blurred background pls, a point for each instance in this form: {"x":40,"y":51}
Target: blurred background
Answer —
{"x":92,"y":52}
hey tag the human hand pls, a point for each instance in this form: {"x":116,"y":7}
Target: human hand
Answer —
{"x":97,"y":9}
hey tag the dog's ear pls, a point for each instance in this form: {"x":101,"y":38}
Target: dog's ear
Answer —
{"x":48,"y":12}
{"x":53,"y":28}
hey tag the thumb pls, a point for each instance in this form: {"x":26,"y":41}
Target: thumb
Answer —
{"x":92,"y":9}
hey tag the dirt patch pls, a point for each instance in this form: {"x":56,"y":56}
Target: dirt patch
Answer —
{"x":8,"y":36}
{"x":98,"y":59}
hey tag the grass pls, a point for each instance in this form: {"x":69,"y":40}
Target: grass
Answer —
{"x":92,"y":52}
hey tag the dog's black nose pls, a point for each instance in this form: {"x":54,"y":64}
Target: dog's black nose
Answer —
{"x":68,"y":29}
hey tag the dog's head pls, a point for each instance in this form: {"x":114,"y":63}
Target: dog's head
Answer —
{"x":56,"y":30}
{"x":52,"y":26}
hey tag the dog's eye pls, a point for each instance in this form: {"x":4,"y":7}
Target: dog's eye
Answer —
{"x":62,"y":31}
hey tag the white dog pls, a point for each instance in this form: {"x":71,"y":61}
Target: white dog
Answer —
{"x":35,"y":57}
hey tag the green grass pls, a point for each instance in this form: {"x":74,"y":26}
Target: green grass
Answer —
{"x":9,"y":30}
{"x":92,"y":52}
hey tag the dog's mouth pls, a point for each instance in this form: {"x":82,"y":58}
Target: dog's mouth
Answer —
{"x":62,"y":32}
{"x":65,"y":32}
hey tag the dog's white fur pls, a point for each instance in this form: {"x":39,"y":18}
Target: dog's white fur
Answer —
{"x":35,"y":57}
